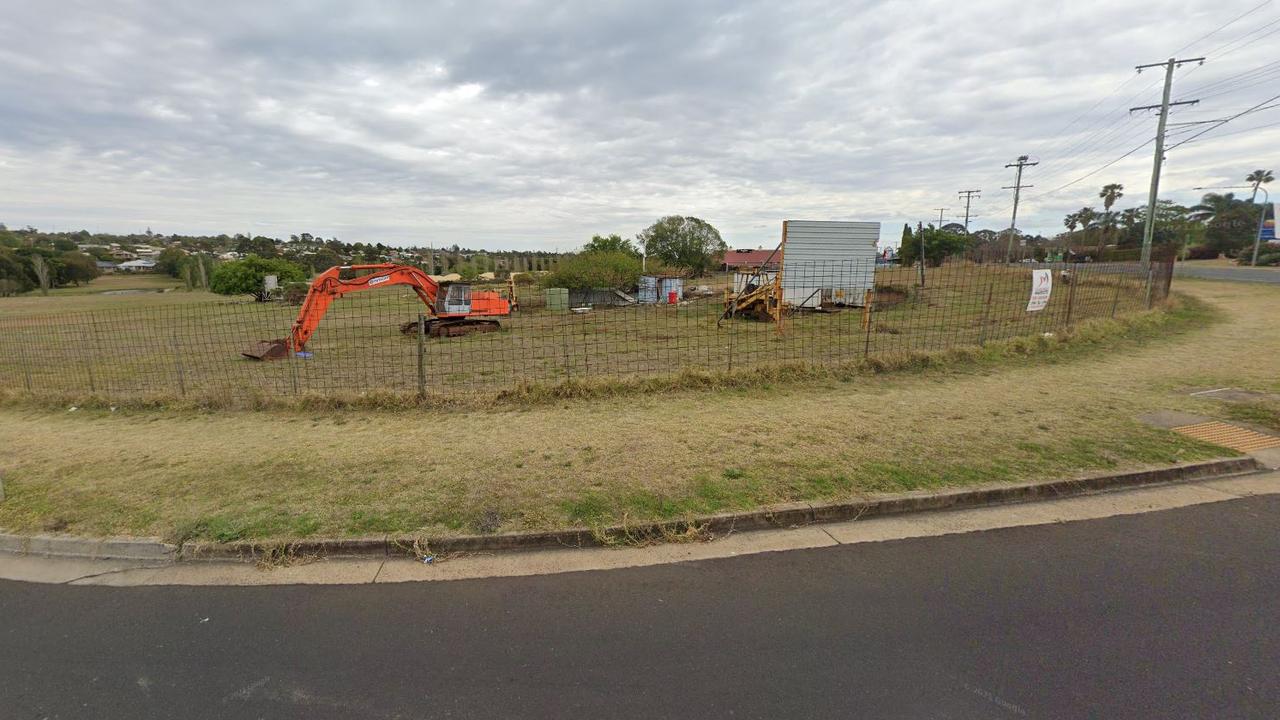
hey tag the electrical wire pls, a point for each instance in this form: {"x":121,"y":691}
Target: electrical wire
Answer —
{"x":1224,"y":121}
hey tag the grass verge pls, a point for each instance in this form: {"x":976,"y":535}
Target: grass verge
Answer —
{"x":616,"y":453}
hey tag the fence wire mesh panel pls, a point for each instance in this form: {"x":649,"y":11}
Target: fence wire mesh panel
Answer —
{"x":368,"y":344}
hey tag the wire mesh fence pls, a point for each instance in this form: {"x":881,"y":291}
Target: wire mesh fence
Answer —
{"x":835,"y":313}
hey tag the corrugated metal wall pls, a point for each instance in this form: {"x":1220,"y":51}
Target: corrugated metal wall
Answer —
{"x":828,"y":261}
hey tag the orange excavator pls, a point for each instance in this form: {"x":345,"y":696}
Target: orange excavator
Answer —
{"x":455,"y":311}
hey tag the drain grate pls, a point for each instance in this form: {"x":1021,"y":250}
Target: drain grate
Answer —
{"x":1229,"y":436}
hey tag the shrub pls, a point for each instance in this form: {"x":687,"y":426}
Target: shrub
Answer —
{"x":1202,"y":252}
{"x":245,"y":277}
{"x":595,"y":270}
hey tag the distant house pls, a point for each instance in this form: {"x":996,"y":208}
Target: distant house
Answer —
{"x":231,"y":255}
{"x":137,"y":266}
{"x":752,"y":259}
{"x":106,"y":267}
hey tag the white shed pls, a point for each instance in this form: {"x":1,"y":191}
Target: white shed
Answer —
{"x":828,"y":261}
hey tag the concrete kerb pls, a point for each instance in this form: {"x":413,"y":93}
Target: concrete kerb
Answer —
{"x":773,"y":517}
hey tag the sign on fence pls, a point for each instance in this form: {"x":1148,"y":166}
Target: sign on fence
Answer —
{"x":1041,"y":287}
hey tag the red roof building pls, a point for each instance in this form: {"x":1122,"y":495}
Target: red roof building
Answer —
{"x":750,"y":259}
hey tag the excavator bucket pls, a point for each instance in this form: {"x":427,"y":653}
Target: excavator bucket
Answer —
{"x":268,"y":350}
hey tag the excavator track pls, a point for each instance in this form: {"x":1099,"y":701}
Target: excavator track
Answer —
{"x":451,"y":327}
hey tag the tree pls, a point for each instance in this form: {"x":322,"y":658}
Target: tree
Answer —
{"x":77,"y":268}
{"x":1259,"y":178}
{"x":1212,"y":205}
{"x":1110,"y":193}
{"x":1087,"y":217}
{"x":41,"y":268}
{"x":170,"y":260}
{"x":14,"y":278}
{"x":64,"y":245}
{"x":938,"y":246}
{"x":611,"y":243}
{"x":325,"y":258}
{"x":1232,"y":230}
{"x":1071,"y":221}
{"x":261,"y":246}
{"x":687,"y":243}
{"x":597,"y":269}
{"x":245,"y":277}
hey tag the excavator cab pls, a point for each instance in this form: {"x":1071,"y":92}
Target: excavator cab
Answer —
{"x":455,"y":300}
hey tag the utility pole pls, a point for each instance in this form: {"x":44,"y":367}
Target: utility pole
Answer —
{"x":940,"y":211}
{"x":968,"y":198}
{"x":1169,"y":65}
{"x":1017,"y":191}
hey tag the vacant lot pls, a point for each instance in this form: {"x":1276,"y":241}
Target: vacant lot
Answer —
{"x":130,"y":349}
{"x":228,"y":475}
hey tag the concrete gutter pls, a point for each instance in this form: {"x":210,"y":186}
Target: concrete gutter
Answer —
{"x":777,"y":516}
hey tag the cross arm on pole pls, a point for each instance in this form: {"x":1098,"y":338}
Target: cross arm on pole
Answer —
{"x":1157,"y":106}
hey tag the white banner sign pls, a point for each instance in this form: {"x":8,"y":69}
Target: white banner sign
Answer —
{"x":1041,"y":288}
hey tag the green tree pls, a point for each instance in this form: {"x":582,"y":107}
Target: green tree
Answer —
{"x":938,"y":246}
{"x":611,"y":243}
{"x":1258,"y":178}
{"x":259,"y":245}
{"x":687,"y":243}
{"x":468,"y":270}
{"x":169,"y":261}
{"x":245,"y":277}
{"x":77,"y":268}
{"x":600,"y":269}
{"x":14,"y":278}
{"x":62,"y":244}
{"x":1212,"y":205}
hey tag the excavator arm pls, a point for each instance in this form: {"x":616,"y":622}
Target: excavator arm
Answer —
{"x":329,"y":286}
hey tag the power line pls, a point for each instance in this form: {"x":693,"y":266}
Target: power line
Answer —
{"x":1228,"y":24}
{"x":1224,"y":121}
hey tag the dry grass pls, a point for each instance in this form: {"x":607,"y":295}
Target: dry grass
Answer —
{"x":641,"y":456}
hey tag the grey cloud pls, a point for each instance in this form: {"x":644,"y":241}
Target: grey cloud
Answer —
{"x":533,"y":125}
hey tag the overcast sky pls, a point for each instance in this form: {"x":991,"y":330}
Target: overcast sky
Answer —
{"x":522,"y":125}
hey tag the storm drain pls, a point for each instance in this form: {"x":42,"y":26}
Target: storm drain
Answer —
{"x":1229,"y":436}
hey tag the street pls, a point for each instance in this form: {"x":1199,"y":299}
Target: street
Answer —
{"x":1163,"y":614}
{"x":1238,"y":274}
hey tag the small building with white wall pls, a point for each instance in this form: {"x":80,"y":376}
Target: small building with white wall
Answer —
{"x":828,"y":261}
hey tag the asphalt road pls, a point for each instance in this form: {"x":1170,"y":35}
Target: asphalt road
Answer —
{"x":1241,"y":274}
{"x":1166,"y":614}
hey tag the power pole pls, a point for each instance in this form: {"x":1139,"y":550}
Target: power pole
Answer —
{"x":968,"y":198}
{"x":1017,"y":191}
{"x":1169,"y":65}
{"x":940,"y":211}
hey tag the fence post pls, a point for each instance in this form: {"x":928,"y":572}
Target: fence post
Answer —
{"x":868,"y":310}
{"x":1071,"y":297}
{"x":88,"y":360}
{"x":731,"y":328}
{"x":293,"y":365}
{"x":1149,"y":272}
{"x":422,"y":355}
{"x":177,"y":363}
{"x":1115,"y":302}
{"x":26,"y":364}
{"x":986,"y":313}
